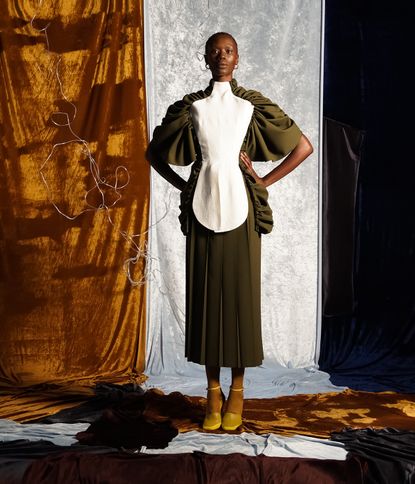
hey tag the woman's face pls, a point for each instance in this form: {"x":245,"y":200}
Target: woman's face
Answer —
{"x":222,"y":56}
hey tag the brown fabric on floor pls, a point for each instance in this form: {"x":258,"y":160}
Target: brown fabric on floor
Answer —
{"x":67,"y":309}
{"x":28,"y":405}
{"x":44,"y":400}
{"x":191,"y":468}
{"x":315,"y":415}
{"x":322,"y":413}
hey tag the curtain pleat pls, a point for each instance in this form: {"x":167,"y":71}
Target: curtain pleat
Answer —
{"x":342,"y":151}
{"x":68,"y":311}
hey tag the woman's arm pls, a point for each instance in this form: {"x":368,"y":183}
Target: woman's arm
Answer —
{"x":297,"y":156}
{"x":166,"y":171}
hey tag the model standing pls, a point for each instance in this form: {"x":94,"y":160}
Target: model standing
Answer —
{"x":224,"y":211}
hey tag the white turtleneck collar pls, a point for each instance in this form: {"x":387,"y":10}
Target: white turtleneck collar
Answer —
{"x":221,"y":87}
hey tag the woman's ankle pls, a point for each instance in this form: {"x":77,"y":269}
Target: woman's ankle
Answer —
{"x":214,"y":399}
{"x":235,"y":400}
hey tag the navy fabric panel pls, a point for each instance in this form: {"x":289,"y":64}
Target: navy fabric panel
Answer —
{"x":369,"y":345}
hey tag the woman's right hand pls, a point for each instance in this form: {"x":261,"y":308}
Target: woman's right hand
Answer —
{"x":249,"y":168}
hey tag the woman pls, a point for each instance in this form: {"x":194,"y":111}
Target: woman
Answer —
{"x":224,"y":211}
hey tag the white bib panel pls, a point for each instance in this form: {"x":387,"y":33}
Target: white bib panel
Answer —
{"x":221,"y":121}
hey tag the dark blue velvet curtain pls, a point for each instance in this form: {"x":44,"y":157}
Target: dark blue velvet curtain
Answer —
{"x":368,"y":331}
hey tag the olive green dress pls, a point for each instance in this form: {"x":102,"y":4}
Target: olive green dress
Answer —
{"x":223,"y":270}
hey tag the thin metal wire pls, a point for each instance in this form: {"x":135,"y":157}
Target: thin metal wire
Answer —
{"x":99,"y":183}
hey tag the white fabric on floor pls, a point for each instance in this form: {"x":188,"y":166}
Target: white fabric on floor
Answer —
{"x":58,"y":433}
{"x":245,"y":443}
{"x":260,"y":382}
{"x":279,"y":49}
{"x":271,"y":445}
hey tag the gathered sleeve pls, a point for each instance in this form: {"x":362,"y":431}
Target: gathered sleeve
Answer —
{"x":174,"y":140}
{"x":272,"y":134}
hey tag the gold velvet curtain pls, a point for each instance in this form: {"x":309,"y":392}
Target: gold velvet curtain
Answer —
{"x":68,"y":313}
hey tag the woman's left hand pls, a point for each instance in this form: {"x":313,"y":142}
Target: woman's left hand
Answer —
{"x":249,"y":168}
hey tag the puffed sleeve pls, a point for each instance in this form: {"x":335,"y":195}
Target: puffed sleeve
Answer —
{"x":272,"y":134}
{"x":174,"y":140}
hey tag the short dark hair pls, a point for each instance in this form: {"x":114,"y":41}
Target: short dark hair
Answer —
{"x":215,"y":36}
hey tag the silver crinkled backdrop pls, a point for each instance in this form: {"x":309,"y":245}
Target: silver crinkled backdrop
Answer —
{"x":279,"y":48}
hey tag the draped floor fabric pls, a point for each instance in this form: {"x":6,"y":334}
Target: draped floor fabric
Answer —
{"x":124,"y":418}
{"x":190,"y":468}
{"x":68,"y":312}
{"x":315,"y":415}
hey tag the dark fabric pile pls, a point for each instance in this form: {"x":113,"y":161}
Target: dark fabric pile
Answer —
{"x":389,"y":453}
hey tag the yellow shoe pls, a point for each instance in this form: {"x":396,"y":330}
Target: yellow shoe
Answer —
{"x":231,"y":421}
{"x":213,"y":420}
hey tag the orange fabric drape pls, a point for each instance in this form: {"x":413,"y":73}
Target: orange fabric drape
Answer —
{"x":316,"y":414}
{"x":68,"y":313}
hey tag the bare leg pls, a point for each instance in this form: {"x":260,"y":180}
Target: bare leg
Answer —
{"x":236,"y":399}
{"x":214,"y":397}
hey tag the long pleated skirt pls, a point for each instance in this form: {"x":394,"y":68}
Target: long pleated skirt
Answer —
{"x":223,"y":297}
